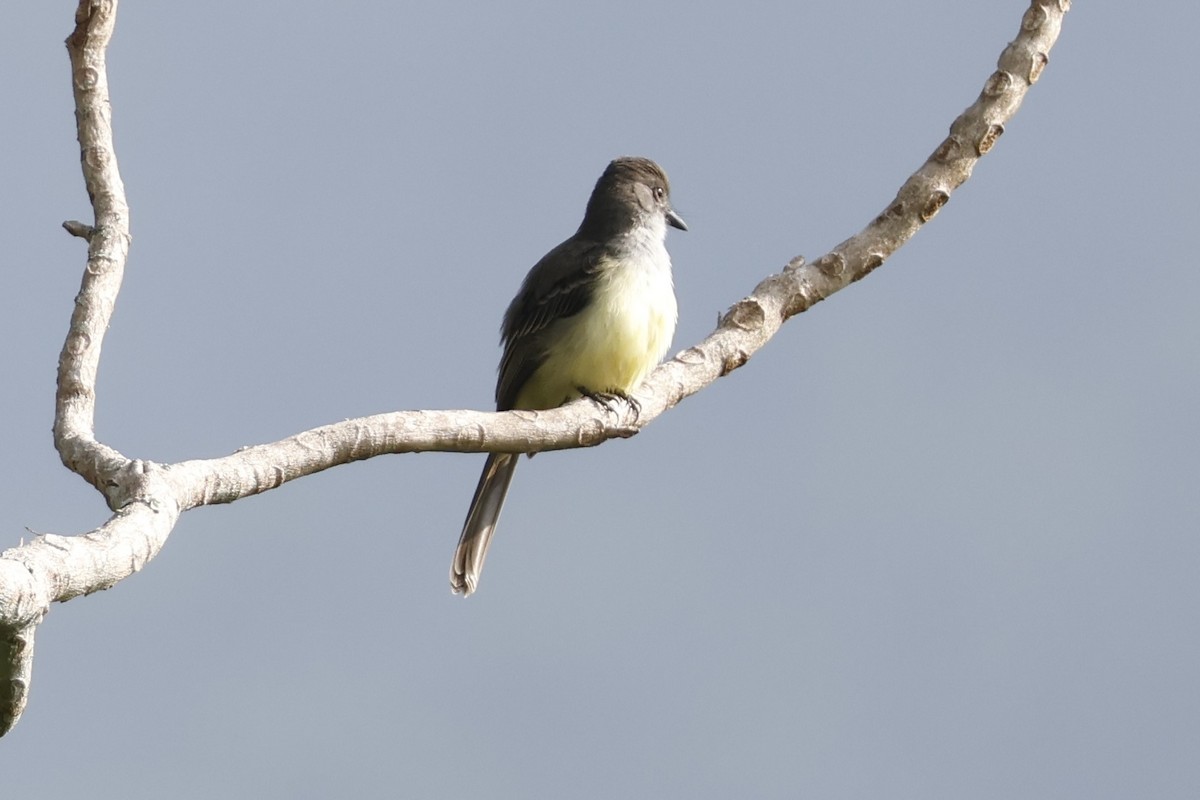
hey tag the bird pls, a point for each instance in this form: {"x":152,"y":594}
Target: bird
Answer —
{"x":592,"y":318}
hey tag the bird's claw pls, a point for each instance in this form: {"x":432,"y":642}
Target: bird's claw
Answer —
{"x":605,"y":399}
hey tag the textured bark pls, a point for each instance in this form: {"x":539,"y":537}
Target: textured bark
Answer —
{"x":147,"y":498}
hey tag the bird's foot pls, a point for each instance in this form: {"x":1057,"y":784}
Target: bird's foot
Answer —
{"x":607,"y":398}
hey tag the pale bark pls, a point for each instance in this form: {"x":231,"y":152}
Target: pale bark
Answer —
{"x":147,"y":498}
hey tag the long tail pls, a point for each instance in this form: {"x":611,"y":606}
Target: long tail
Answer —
{"x":481,"y":521}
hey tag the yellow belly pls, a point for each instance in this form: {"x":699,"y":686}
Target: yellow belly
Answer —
{"x":612,"y":344}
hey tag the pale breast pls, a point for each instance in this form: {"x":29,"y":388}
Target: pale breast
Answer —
{"x":626,"y":329}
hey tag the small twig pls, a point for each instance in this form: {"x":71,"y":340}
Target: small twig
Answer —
{"x":80,"y":229}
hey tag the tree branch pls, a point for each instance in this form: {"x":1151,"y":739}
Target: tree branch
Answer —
{"x":108,"y":246}
{"x":148,"y":498}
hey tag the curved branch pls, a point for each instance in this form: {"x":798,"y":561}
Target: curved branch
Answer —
{"x":750,"y":323}
{"x":148,"y":498}
{"x":108,"y":246}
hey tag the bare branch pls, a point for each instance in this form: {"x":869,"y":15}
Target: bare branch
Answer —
{"x":750,"y":323}
{"x":108,"y":247}
{"x":16,"y":655}
{"x":148,"y":498}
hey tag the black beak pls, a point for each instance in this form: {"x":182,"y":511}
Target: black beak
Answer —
{"x":675,"y":221}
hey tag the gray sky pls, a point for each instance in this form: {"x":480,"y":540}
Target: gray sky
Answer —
{"x":938,"y":539}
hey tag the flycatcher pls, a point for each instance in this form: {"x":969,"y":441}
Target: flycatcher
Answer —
{"x":592,"y":318}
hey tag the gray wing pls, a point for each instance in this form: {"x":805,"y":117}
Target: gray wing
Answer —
{"x":558,"y":286}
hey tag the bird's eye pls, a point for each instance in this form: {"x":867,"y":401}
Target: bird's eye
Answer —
{"x":660,"y":192}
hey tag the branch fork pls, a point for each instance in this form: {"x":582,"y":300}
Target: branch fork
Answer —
{"x":147,"y":499}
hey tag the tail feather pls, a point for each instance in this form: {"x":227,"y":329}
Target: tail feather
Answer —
{"x":481,"y":521}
